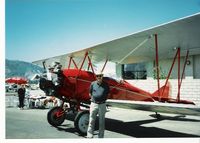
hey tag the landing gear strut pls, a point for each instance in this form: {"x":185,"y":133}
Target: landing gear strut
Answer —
{"x":158,"y":116}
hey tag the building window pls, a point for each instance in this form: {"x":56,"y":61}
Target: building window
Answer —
{"x":134,"y":71}
{"x":196,"y":67}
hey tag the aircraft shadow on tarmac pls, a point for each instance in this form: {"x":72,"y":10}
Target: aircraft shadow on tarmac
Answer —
{"x":135,"y":128}
{"x":174,"y":118}
{"x":66,"y":128}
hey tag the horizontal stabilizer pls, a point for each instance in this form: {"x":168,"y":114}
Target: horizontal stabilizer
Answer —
{"x":163,"y":93}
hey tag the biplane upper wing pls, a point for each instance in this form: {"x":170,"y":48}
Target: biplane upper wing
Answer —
{"x":140,"y":46}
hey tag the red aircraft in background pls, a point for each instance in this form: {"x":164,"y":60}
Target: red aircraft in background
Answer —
{"x":75,"y":80}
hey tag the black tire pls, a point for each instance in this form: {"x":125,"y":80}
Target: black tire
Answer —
{"x":81,"y":122}
{"x":52,"y":116}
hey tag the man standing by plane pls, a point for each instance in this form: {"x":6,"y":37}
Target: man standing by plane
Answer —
{"x":21,"y":94}
{"x":99,"y":91}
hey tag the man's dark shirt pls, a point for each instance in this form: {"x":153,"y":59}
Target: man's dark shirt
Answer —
{"x":99,"y":92}
{"x":21,"y":91}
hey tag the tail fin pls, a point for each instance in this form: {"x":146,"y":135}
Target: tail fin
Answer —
{"x":159,"y":94}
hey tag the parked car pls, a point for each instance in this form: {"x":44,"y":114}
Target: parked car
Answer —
{"x":11,"y":87}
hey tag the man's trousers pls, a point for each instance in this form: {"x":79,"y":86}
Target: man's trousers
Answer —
{"x":95,"y":109}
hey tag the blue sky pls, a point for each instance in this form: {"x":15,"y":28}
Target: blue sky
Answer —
{"x":37,"y":29}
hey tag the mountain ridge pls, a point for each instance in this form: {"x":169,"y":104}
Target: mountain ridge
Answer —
{"x":21,"y":68}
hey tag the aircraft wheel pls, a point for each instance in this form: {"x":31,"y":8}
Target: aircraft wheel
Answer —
{"x":81,"y":122}
{"x":56,"y":116}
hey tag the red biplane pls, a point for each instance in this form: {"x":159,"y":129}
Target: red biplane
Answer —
{"x":78,"y":74}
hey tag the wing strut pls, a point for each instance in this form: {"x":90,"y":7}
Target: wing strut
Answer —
{"x":170,"y":71}
{"x":177,"y":56}
{"x":104,"y":65}
{"x":157,"y":64}
{"x":186,"y":59}
{"x":142,"y":43}
{"x":72,"y":60}
{"x":179,"y":87}
{"x":90,"y":64}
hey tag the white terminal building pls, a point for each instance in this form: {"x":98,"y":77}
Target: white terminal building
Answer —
{"x":143,"y":75}
{"x":184,"y":34}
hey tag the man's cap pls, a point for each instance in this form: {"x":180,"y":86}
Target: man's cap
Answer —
{"x":99,"y":72}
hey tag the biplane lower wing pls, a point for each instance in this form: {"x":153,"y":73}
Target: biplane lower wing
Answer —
{"x":160,"y":107}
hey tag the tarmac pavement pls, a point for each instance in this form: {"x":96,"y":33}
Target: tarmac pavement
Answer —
{"x":120,"y":123}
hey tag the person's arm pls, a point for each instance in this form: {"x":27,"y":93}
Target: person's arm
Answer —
{"x":18,"y":91}
{"x":90,"y":90}
{"x":108,"y":91}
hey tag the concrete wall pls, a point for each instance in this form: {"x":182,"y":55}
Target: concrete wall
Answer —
{"x":190,"y":88}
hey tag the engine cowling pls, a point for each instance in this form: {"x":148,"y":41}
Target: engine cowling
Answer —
{"x":47,"y":86}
